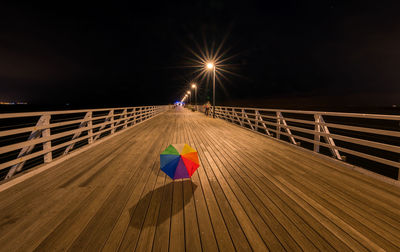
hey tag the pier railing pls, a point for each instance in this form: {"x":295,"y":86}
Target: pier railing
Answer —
{"x":33,"y":138}
{"x":367,"y":140}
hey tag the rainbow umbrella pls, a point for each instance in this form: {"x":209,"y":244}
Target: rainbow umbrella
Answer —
{"x":179,"y":161}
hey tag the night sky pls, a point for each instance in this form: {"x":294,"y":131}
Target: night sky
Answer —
{"x":284,"y":53}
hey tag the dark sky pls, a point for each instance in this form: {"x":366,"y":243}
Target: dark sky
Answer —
{"x":130,"y":53}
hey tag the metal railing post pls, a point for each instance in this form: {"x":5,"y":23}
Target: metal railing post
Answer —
{"x":282,"y":121}
{"x":134,"y":116}
{"x":256,"y":119}
{"x":248,"y":120}
{"x":237,"y":117}
{"x":90,"y":125}
{"x":112,"y":121}
{"x":317,"y":129}
{"x":47,"y":145}
{"x":85,"y":123}
{"x":28,"y":149}
{"x":262,"y":122}
{"x":329,"y":140}
{"x":125,"y":116}
{"x":278,"y":128}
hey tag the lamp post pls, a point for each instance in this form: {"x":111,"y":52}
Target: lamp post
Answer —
{"x":212,"y":66}
{"x":190,"y":97}
{"x":184,"y":98}
{"x":195,"y":95}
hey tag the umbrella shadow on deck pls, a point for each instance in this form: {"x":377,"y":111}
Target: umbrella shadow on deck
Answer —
{"x":161,"y":204}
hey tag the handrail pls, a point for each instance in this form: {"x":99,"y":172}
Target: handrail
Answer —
{"x":341,"y":114}
{"x":50,"y":139}
{"x":379,"y":143}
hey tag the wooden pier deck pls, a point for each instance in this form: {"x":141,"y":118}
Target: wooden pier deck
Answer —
{"x":250,"y":193}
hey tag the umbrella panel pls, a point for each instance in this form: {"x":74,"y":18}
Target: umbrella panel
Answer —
{"x":190,"y":166}
{"x":170,"y":168}
{"x":181,"y":171}
{"x":192,"y":156}
{"x":166,"y":158}
{"x":170,"y":150}
{"x":187,"y":149}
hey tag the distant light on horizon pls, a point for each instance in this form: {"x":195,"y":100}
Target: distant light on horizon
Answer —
{"x":12,"y":103}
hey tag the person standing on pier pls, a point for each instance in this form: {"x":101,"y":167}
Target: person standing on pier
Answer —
{"x":207,"y":107}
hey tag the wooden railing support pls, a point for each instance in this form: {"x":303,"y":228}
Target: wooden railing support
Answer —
{"x":282,"y":121}
{"x":83,"y":124}
{"x":41,"y":133}
{"x":317,"y":136}
{"x":107,"y":119}
{"x":43,"y":120}
{"x":329,"y":140}
{"x":237,"y":117}
{"x":300,"y":130}
{"x":47,"y":145}
{"x":90,"y":125}
{"x":247,"y":118}
{"x":112,"y":121}
{"x":259,"y":118}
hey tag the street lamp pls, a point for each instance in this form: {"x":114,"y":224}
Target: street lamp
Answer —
{"x":210,"y":66}
{"x":195,"y":94}
{"x":190,"y":97}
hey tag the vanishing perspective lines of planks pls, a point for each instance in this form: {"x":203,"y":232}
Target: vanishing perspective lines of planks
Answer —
{"x":249,"y":193}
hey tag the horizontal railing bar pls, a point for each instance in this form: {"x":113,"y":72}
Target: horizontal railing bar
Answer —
{"x":363,"y":142}
{"x":342,"y":149}
{"x":333,"y":125}
{"x":42,"y":152}
{"x":345,"y":150}
{"x":60,"y":112}
{"x":40,"y":140}
{"x":20,"y":145}
{"x":64,"y":123}
{"x":347,"y":127}
{"x":339,"y":114}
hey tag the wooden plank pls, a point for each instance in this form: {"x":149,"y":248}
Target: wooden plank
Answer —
{"x":251,"y":202}
{"x":263,"y":230}
{"x":287,"y":241}
{"x":208,"y":240}
{"x":192,"y":236}
{"x":192,"y":233}
{"x":369,"y":192}
{"x":235,"y":230}
{"x":161,"y":236}
{"x":250,"y":193}
{"x":323,"y":163}
{"x":71,"y":228}
{"x":371,"y":230}
{"x":177,"y":232}
{"x":147,"y":234}
{"x":219,"y":225}
{"x":211,"y":137}
{"x":127,"y":229}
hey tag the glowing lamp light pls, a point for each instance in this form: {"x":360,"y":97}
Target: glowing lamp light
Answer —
{"x":210,"y":65}
{"x":193,"y":85}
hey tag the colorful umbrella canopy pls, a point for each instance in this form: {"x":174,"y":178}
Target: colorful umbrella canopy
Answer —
{"x":179,"y":161}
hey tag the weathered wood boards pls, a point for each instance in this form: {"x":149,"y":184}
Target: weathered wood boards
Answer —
{"x":250,"y":193}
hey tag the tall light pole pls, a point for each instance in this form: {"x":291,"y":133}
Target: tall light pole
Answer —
{"x":195,"y":94}
{"x":212,"y":66}
{"x":185,"y":97}
{"x":190,"y":97}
